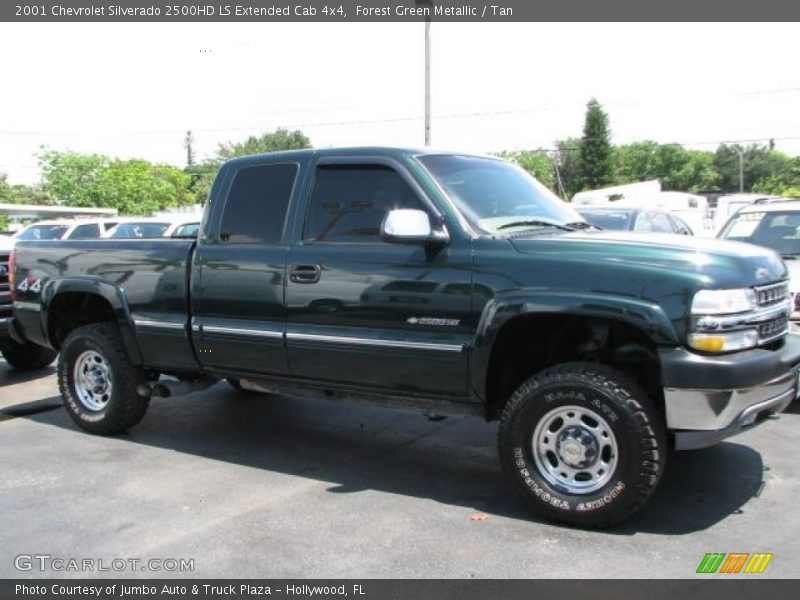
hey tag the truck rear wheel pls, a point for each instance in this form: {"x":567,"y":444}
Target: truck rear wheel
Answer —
{"x":98,"y":382}
{"x":26,"y":357}
{"x":583,"y":444}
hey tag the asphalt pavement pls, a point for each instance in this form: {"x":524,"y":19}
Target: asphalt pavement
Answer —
{"x":262,"y":486}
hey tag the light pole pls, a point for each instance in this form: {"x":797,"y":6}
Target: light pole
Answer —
{"x":427,"y":4}
{"x":740,"y":152}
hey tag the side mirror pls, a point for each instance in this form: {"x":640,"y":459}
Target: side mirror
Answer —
{"x":411,"y":226}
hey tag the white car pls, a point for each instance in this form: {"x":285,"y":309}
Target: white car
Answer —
{"x":66,"y":229}
{"x":729,"y":204}
{"x":774,"y":225}
{"x":153,"y":227}
{"x":6,"y":244}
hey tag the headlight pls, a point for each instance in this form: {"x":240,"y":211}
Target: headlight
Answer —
{"x":724,"y":342}
{"x":723,"y":302}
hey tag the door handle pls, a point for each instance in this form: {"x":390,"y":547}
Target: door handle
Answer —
{"x":305,"y":273}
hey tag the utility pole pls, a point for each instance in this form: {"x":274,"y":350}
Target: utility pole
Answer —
{"x":429,"y":5}
{"x":188,"y":143}
{"x":740,"y":152}
{"x":427,"y":81}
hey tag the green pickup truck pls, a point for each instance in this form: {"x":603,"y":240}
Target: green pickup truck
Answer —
{"x":444,"y":283}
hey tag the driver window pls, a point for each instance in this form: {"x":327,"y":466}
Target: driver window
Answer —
{"x":349,"y":202}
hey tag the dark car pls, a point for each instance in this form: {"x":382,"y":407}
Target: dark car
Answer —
{"x":622,"y":218}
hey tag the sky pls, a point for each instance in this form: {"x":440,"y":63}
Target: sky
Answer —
{"x":134,"y":89}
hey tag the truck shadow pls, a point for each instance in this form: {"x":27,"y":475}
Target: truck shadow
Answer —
{"x":699,"y":489}
{"x":9,"y":376}
{"x":453,"y":461}
{"x":794,"y":408}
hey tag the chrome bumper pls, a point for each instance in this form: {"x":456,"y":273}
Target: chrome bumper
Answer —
{"x":700,"y":417}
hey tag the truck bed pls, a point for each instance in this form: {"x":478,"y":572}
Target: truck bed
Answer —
{"x":152,"y":274}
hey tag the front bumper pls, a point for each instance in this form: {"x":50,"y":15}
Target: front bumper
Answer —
{"x":710,"y":398}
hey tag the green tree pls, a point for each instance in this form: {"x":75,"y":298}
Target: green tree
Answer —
{"x":135,"y":187}
{"x":784,"y":182}
{"x":280,"y":139}
{"x":566,"y":163}
{"x":595,"y":167}
{"x":536,"y":162}
{"x":131,"y":186}
{"x":5,"y":189}
{"x":758,"y":163}
{"x":202,"y":174}
{"x":21,"y":194}
{"x":72,"y":177}
{"x":675,"y":166}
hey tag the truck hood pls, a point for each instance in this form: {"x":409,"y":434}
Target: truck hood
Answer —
{"x":710,"y":263}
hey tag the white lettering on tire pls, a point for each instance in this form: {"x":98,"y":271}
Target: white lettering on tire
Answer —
{"x":534,"y":487}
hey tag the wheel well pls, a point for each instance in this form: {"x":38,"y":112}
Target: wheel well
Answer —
{"x":70,"y":310}
{"x":530,"y":343}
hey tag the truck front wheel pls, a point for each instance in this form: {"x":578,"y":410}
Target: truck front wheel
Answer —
{"x":98,"y":382}
{"x":26,"y":357}
{"x":583,"y":444}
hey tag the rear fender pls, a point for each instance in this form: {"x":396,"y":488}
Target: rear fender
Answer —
{"x":114,"y":295}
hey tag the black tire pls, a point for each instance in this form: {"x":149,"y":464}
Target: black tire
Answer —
{"x":124,"y":408}
{"x":26,"y":357}
{"x":635,"y":427}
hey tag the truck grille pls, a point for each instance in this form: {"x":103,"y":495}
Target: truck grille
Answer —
{"x":773,"y":296}
{"x":770,"y":295}
{"x":773,"y":329}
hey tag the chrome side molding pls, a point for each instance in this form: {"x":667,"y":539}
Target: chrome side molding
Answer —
{"x":357,"y":341}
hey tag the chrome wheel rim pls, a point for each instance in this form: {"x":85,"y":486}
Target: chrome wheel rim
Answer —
{"x":575,"y":449}
{"x":92,"y":380}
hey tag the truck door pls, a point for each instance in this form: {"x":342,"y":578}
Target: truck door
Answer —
{"x":365,"y":312}
{"x":238,"y":276}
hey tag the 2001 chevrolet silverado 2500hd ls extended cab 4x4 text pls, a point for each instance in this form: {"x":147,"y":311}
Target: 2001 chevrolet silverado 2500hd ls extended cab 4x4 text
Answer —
{"x":447,"y":283}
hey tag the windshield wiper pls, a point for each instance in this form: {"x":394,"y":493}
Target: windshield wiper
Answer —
{"x":535,"y":223}
{"x":789,"y":256}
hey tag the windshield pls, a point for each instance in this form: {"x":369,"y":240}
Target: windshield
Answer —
{"x":608,"y":219}
{"x":43,"y":232}
{"x":776,"y":230}
{"x":139,"y":230}
{"x":495,"y":195}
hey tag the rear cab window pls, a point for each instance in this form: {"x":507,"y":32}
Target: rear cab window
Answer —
{"x":257,"y":204}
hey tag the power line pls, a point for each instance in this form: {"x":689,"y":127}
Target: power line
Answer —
{"x":397,"y":119}
{"x":8,"y":166}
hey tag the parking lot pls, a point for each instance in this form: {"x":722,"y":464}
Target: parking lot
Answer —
{"x":249,"y":485}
